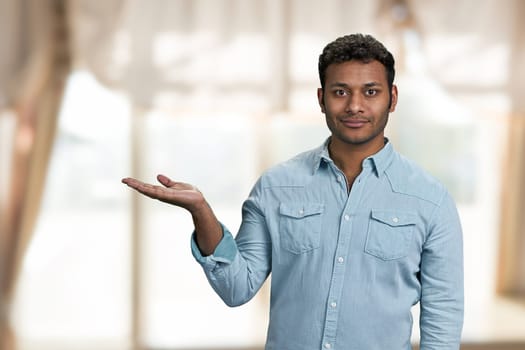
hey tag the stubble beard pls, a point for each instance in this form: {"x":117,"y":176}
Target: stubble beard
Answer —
{"x":358,"y":141}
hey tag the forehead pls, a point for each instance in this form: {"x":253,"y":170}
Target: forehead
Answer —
{"x":356,"y":73}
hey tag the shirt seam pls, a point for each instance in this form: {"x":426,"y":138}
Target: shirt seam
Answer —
{"x":432,"y":216}
{"x":426,"y":199}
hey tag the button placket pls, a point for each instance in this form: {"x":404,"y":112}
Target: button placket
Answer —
{"x":352,"y":201}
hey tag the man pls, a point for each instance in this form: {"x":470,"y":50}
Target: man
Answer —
{"x":353,"y":233}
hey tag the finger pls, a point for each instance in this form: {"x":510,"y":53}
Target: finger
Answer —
{"x":166,"y":181}
{"x":153,"y":191}
{"x":131,"y":182}
{"x":125,"y":180}
{"x":144,"y":188}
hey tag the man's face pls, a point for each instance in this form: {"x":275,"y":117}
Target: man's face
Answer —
{"x":356,"y":102}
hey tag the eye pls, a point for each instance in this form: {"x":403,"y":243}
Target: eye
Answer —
{"x":371,"y":92}
{"x":340,"y":92}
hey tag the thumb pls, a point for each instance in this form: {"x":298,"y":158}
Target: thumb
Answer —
{"x":166,"y":181}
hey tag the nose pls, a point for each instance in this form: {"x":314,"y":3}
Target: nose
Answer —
{"x":354,"y":104}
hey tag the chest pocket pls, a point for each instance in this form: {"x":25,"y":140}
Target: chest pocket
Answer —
{"x":300,"y":226}
{"x":389,"y":234}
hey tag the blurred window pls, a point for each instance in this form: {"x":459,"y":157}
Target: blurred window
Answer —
{"x":74,"y":286}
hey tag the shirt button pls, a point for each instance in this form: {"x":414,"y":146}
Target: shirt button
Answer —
{"x":339,"y":179}
{"x":340,"y":260}
{"x":395,"y":219}
{"x":347,"y":217}
{"x":327,"y":346}
{"x":333,"y":304}
{"x":301,"y":212}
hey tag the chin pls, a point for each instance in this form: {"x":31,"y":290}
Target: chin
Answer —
{"x":356,"y":140}
{"x":359,"y":140}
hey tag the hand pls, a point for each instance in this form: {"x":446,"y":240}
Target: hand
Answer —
{"x":208,"y":230}
{"x":177,"y":193}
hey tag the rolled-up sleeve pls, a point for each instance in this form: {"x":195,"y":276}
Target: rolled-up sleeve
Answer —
{"x":442,"y":296}
{"x":225,"y":251}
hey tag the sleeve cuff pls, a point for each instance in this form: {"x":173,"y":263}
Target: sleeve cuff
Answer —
{"x":225,"y":251}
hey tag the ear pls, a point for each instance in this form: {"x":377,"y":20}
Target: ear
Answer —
{"x":320,"y":98}
{"x":393,"y":100}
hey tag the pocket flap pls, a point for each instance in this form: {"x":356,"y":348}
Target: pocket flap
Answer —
{"x":300,"y":210}
{"x":394,"y":218}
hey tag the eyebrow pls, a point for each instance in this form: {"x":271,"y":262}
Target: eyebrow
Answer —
{"x":366,"y":85}
{"x":372,"y":84}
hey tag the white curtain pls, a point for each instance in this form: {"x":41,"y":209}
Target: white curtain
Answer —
{"x":34,"y":64}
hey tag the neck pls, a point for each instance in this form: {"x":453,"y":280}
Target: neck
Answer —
{"x":349,"y":157}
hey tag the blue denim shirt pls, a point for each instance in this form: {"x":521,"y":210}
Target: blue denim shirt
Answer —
{"x":347,"y":266}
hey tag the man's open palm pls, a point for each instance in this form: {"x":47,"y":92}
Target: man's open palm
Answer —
{"x":177,"y":193}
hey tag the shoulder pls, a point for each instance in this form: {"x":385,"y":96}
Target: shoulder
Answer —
{"x":409,"y":178}
{"x":296,"y":171}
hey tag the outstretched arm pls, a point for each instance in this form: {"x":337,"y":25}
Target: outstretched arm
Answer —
{"x":208,"y":231}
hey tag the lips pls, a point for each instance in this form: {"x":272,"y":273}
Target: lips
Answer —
{"x":354,"y":122}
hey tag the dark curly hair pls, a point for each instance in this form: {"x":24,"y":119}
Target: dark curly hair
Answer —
{"x":359,"y":47}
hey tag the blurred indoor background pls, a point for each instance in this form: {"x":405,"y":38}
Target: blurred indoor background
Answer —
{"x":213,"y":92}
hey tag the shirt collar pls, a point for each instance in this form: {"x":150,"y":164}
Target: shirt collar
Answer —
{"x":382,"y":159}
{"x":379,"y":161}
{"x":321,"y":156}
